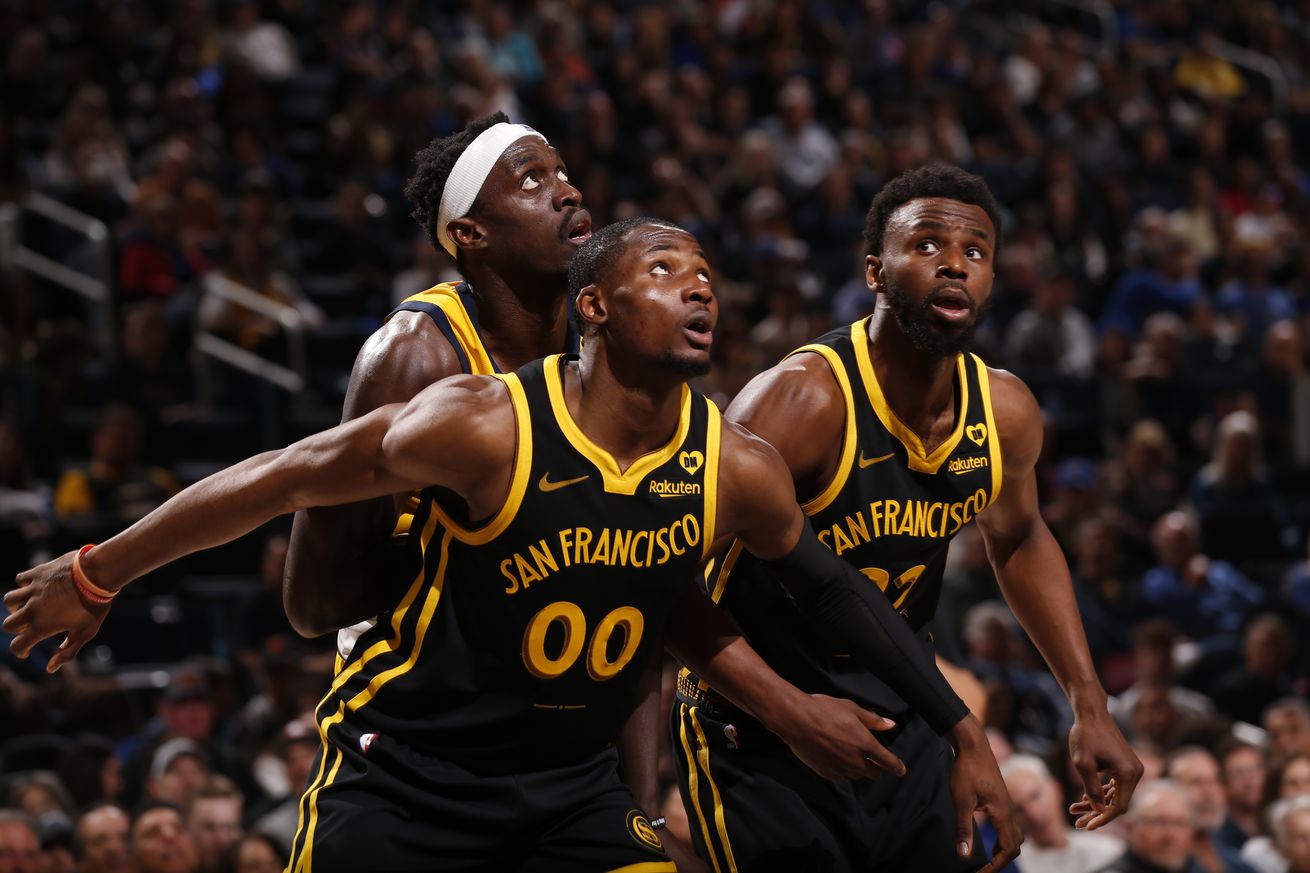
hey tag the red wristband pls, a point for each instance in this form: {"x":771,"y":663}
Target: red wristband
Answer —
{"x":85,"y":587}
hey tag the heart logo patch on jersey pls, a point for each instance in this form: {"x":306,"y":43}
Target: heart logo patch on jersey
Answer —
{"x":691,"y":461}
{"x":977,"y":433}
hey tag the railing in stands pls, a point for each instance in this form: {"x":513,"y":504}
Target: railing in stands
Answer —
{"x":290,"y":377}
{"x":95,"y":287}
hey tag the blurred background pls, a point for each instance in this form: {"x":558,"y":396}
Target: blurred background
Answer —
{"x":202,"y":219}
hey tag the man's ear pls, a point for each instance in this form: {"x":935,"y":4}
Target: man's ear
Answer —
{"x":467,"y":233}
{"x":591,"y":306}
{"x":873,"y":273}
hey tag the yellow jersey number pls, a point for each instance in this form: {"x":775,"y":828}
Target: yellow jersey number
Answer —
{"x":904,"y":583}
{"x":574,"y":624}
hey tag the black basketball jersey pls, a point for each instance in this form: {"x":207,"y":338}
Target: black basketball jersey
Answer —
{"x":891,"y":510}
{"x":520,"y":643}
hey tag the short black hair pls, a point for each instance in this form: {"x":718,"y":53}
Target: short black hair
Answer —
{"x":596,"y":258}
{"x":930,"y":180}
{"x":432,"y":166}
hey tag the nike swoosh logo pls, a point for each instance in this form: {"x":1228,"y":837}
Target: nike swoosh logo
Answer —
{"x":546,"y":485}
{"x":869,"y":462}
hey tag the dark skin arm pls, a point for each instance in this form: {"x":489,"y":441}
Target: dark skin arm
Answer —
{"x":803,"y":388}
{"x":453,"y":434}
{"x":343,"y":564}
{"x":1034,"y":577}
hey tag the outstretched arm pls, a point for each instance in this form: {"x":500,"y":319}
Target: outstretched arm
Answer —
{"x":832,"y":736}
{"x":428,"y":441}
{"x":1034,"y":577}
{"x":341,"y":558}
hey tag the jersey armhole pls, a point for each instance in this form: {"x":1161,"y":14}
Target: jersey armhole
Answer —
{"x":829,"y":493}
{"x":518,"y":483}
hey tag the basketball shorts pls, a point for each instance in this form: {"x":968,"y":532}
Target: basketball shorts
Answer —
{"x":754,"y":807}
{"x":382,"y":807}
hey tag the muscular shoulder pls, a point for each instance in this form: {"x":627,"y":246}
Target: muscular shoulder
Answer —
{"x":400,"y":359}
{"x":798,"y":407}
{"x":468,"y":420}
{"x":1018,"y":418}
{"x":753,"y":479}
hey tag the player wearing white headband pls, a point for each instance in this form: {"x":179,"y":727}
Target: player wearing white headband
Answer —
{"x":497,"y":197}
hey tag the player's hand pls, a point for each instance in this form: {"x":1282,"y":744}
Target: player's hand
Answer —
{"x":834,"y":738}
{"x":681,"y":854}
{"x":976,"y":784}
{"x":46,"y":603}
{"x":1097,"y":746}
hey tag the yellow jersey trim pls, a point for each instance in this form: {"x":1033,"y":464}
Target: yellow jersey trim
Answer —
{"x":616,"y":481}
{"x":713,"y":440}
{"x":693,"y":785}
{"x":994,"y":446}
{"x":648,"y":867}
{"x":919,"y":460}
{"x":518,"y":483}
{"x":825,"y":497}
{"x":430,"y":601}
{"x":729,"y":561}
{"x":719,"y":825}
{"x":446,"y":298}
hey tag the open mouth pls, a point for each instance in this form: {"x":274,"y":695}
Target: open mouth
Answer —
{"x":951,"y":304}
{"x":577,"y":228}
{"x":699,"y":330}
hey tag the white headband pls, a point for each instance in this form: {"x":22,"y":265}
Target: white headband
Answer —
{"x":470,"y":173}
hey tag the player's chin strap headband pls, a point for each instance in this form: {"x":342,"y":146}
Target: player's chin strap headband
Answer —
{"x":470,"y":173}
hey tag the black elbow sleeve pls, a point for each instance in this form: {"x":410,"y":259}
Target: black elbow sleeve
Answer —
{"x":839,"y":597}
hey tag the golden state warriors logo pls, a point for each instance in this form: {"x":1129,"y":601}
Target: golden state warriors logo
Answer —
{"x":977,"y":433}
{"x":691,"y":461}
{"x":641,"y":831}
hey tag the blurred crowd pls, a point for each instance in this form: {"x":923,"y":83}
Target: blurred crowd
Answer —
{"x":1153,"y":289}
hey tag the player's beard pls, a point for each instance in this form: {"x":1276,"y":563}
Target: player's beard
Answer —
{"x":923,"y":331}
{"x":687,"y":367}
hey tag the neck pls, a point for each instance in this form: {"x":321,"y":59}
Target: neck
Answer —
{"x":524,"y":324}
{"x":919,"y":387}
{"x":1246,"y":819}
{"x":1203,"y":852}
{"x":620,"y":408}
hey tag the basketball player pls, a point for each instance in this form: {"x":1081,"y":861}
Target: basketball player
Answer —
{"x":895,"y":439}
{"x":495,"y":196}
{"x":566,"y":508}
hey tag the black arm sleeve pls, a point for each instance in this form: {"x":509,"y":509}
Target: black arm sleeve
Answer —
{"x":838,"y":596}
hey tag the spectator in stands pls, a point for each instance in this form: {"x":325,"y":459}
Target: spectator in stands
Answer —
{"x":1290,"y":822}
{"x":1247,"y":691}
{"x":100,"y":841}
{"x":154,"y":264}
{"x":54,"y":830}
{"x":250,"y":264}
{"x":213,"y":815}
{"x":258,"y":853}
{"x":91,"y":772}
{"x":264,"y":46}
{"x":178,"y":770}
{"x":1243,"y":518}
{"x":20,"y":849}
{"x":1051,"y":845}
{"x":1208,"y":600}
{"x":1155,"y":665}
{"x":161,"y":842}
{"x":1243,"y":768}
{"x":1287,"y":722}
{"x":1051,"y":336}
{"x":296,"y":748}
{"x":1161,"y":824}
{"x":1107,"y":599}
{"x":38,"y":792}
{"x":1154,"y":721}
{"x":115,"y":482}
{"x":1197,"y":772}
{"x":1288,"y":780}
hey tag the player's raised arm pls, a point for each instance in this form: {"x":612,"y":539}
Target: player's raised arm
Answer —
{"x":456,"y":434}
